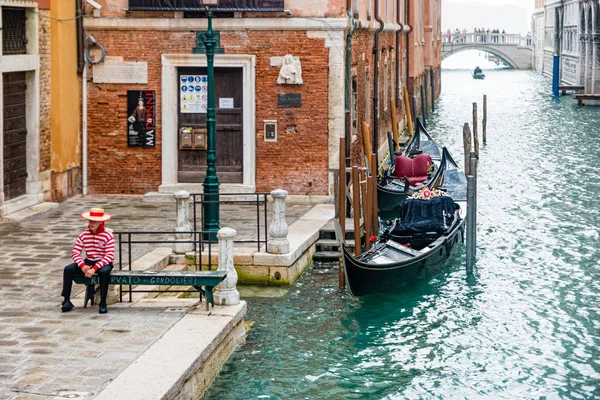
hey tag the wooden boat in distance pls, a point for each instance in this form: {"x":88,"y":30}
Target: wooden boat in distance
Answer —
{"x":416,"y":245}
{"x":478,"y":75}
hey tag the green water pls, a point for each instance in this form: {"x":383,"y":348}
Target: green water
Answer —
{"x":525,"y":327}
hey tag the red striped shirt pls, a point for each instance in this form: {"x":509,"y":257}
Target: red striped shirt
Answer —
{"x":99,"y":248}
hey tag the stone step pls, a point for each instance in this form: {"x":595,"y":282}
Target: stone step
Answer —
{"x":326,"y":256}
{"x":332,"y":243}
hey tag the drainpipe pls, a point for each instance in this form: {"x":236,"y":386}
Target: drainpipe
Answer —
{"x":376,"y":82}
{"x":79,"y":25}
{"x":84,"y":128}
{"x":348,"y":126}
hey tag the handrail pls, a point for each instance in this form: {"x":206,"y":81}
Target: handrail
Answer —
{"x":510,"y":39}
{"x":259,"y":199}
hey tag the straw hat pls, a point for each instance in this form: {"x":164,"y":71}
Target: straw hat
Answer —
{"x":96,"y":214}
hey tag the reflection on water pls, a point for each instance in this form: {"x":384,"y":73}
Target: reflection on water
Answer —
{"x":526,"y":326}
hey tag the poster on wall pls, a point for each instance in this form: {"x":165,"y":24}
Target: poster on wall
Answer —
{"x":141,"y":118}
{"x":193,"y":94}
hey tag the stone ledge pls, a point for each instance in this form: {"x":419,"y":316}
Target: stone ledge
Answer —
{"x":175,"y":364}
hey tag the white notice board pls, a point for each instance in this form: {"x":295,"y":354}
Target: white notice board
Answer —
{"x":193,"y":94}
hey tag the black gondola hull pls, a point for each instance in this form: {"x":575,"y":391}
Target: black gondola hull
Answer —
{"x":365,"y":279}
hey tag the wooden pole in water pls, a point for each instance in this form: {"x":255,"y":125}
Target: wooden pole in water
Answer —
{"x":366,"y":206}
{"x":356,"y":207}
{"x":373,"y":215}
{"x":484,"y":121}
{"x":467,"y":147}
{"x":415,"y":113}
{"x":342,"y":209}
{"x":423,"y":107}
{"x":366,"y":139}
{"x":470,"y":226}
{"x":409,"y":115}
{"x":475,"y":136}
{"x":374,"y":195}
{"x":395,"y":126}
{"x":342,"y":188}
{"x":474,"y":162}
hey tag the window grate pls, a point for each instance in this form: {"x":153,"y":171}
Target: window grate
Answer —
{"x":194,"y":5}
{"x":13,"y":31}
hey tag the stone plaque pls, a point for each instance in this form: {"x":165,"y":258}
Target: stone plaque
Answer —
{"x":121,"y":72}
{"x":289,"y":99}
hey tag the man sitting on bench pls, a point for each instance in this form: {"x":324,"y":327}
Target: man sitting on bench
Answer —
{"x":99,"y":245}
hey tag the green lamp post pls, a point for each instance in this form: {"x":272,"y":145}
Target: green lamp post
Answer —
{"x":210,"y":221}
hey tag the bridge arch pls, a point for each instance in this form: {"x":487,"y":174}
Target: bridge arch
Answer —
{"x":490,"y":49}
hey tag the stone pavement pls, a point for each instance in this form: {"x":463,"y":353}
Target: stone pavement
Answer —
{"x":44,"y":352}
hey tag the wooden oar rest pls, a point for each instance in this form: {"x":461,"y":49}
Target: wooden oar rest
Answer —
{"x":582,"y":97}
{"x":195,"y":279}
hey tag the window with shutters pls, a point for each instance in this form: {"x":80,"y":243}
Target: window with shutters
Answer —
{"x":14,"y":39}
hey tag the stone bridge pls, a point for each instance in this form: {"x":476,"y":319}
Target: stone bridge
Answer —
{"x":514,"y":49}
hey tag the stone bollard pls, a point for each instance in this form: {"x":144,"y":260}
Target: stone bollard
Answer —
{"x":225,"y":293}
{"x":183,"y":223}
{"x":278,"y":230}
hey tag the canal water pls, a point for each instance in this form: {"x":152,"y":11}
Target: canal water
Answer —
{"x":525,"y":326}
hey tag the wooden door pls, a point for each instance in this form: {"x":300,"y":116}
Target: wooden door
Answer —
{"x":15,"y":135}
{"x":229,"y":129}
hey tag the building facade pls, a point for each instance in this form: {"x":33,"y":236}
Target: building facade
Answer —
{"x":39,"y":103}
{"x":284,"y":92}
{"x":570,"y":28}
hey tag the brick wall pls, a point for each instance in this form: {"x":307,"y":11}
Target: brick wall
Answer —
{"x":362,"y":63}
{"x":44,"y":49}
{"x":297,"y":162}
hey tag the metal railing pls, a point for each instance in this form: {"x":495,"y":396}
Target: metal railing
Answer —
{"x":260,"y":200}
{"x":201,"y":247}
{"x":511,"y":39}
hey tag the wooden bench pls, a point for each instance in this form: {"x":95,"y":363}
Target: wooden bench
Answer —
{"x":197,"y":279}
{"x":582,"y":97}
{"x":564,"y":88}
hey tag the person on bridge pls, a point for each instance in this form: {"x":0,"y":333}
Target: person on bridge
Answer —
{"x":477,"y":70}
{"x":99,"y":245}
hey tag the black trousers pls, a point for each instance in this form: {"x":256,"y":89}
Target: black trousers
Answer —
{"x":73,"y":270}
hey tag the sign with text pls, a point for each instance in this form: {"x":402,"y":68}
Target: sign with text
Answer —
{"x":194,"y":5}
{"x":141,"y":120}
{"x":121,"y":72}
{"x":193,"y":94}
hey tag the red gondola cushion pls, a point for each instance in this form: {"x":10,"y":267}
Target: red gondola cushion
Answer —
{"x":415,"y":169}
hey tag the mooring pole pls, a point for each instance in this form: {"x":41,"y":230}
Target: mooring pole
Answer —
{"x":432,"y":76}
{"x":423,"y":107}
{"x":470,"y":226}
{"x":356,"y":209}
{"x":484,"y":121}
{"x":415,"y":113}
{"x":467,"y":147}
{"x":474,"y":162}
{"x":342,"y":209}
{"x":475,"y":135}
{"x":555,"y":75}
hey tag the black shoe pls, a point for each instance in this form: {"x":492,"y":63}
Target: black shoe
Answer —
{"x":102,"y":309}
{"x":67,"y":306}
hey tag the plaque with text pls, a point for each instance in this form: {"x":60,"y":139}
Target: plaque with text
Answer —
{"x":289,"y":99}
{"x":121,"y":72}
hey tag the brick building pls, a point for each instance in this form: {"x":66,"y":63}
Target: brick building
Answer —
{"x":284,"y":93}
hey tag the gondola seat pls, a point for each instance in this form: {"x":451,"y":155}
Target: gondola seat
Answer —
{"x":415,"y":169}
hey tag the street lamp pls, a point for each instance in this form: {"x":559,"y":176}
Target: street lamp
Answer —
{"x":210,"y":220}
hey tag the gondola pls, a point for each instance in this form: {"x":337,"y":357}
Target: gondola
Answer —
{"x":417,"y":244}
{"x":392,"y":188}
{"x":480,"y":75}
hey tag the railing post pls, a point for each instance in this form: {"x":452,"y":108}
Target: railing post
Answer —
{"x":278,"y":230}
{"x":225,"y":293}
{"x":183,"y":223}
